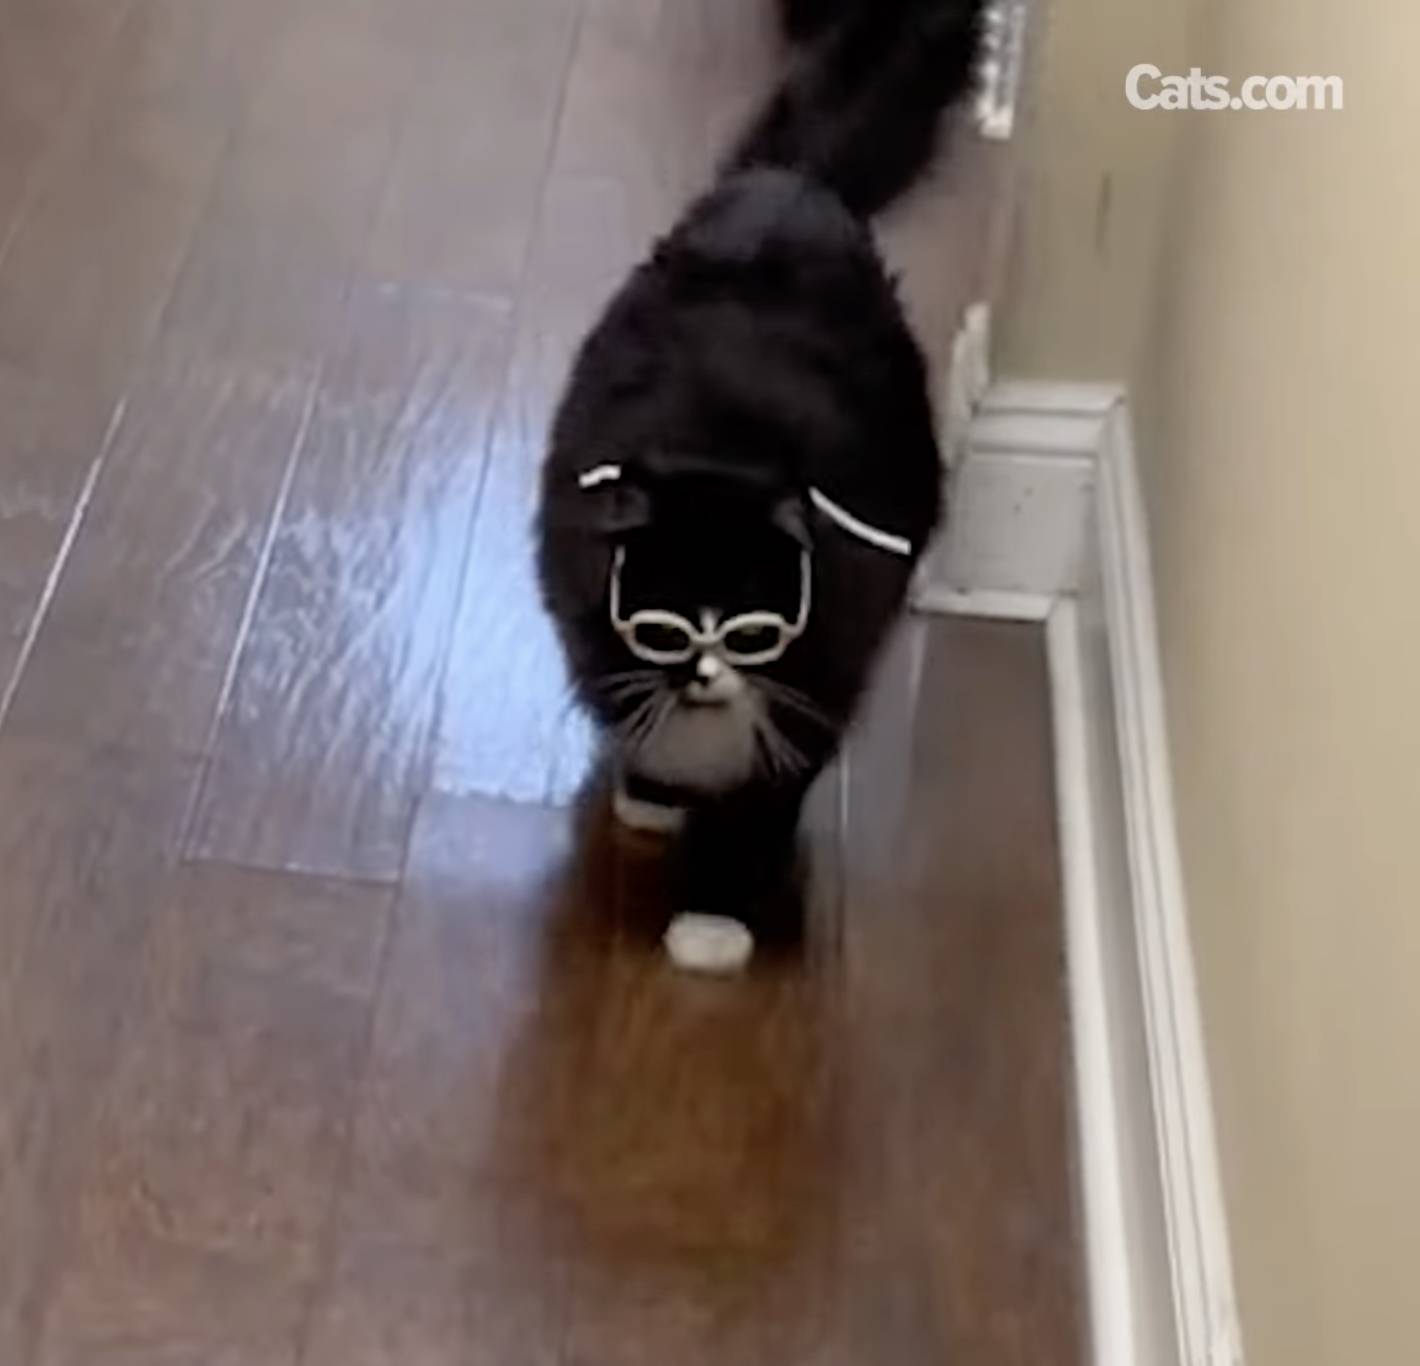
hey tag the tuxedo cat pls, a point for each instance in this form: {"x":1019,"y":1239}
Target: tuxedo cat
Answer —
{"x":743,"y":470}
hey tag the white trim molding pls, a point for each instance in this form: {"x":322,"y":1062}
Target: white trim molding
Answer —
{"x":1000,"y":77}
{"x":1160,"y":1273}
{"x":1018,"y":501}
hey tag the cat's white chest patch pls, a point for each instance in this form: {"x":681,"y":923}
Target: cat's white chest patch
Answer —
{"x":709,"y":943}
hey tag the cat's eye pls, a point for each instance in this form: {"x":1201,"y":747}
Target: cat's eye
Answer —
{"x":667,"y":642}
{"x":753,"y":642}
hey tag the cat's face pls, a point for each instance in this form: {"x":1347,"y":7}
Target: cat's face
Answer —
{"x":708,"y":603}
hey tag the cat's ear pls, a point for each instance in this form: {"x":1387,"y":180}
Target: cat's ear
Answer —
{"x":617,"y":506}
{"x":791,"y":516}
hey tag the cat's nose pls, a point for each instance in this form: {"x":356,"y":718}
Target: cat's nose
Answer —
{"x":714,"y":683}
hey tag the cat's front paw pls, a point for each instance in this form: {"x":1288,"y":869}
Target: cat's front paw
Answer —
{"x":712,"y":944}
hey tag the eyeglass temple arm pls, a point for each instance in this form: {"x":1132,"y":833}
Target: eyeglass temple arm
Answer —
{"x":618,"y":559}
{"x":806,"y":595}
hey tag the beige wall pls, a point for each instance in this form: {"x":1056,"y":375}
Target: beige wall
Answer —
{"x":1261,"y":292}
{"x":1095,"y":188}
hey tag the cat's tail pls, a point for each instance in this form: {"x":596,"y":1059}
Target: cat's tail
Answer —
{"x":860,"y":107}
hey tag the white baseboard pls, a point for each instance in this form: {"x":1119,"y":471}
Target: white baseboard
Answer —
{"x":1160,"y":1275}
{"x":966,"y":381}
{"x":1018,"y":497}
{"x":1204,"y":1297}
{"x":998,"y":604}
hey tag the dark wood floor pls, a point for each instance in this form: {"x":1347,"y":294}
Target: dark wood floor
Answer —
{"x":331,"y":1030}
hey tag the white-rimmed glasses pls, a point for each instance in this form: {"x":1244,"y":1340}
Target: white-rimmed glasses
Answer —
{"x":747,"y":641}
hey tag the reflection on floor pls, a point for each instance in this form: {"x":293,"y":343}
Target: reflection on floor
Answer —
{"x":331,"y":1031}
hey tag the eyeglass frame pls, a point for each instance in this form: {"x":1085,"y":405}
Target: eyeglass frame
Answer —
{"x":702,"y":641}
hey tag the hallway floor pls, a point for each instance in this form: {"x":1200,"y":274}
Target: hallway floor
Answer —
{"x":332,"y":1030}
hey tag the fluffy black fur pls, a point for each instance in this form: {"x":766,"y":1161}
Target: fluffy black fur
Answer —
{"x":861,"y":105}
{"x":759,"y":353}
{"x":804,"y":20}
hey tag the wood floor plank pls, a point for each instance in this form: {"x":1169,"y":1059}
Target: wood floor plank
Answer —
{"x":51,"y":438}
{"x":322,"y":751}
{"x":318,"y":936}
{"x":958,"y":1225}
{"x":49,"y":48}
{"x":698,"y":1311}
{"x":494,"y":900}
{"x":447,"y":1250}
{"x":137,"y":640}
{"x":83,"y":284}
{"x":698,"y":1169}
{"x":494,"y":1300}
{"x":460,"y":208}
{"x":738,"y":37}
{"x":134,"y":101}
{"x":655,"y":96}
{"x":140,"y":1301}
{"x":177,"y":76}
{"x":216,"y":1167}
{"x":296,"y":194}
{"x":226,"y":1117}
{"x":89,"y":270}
{"x":85,"y":840}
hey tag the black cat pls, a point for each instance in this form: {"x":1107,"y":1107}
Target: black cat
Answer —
{"x":860,"y":105}
{"x":806,"y":19}
{"x":743,"y":471}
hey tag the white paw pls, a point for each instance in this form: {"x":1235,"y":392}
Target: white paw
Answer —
{"x":709,"y":943}
{"x":647,"y":817}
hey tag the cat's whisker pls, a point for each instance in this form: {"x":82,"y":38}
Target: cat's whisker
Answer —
{"x":627,"y":726}
{"x":768,"y":740}
{"x":662,"y":709}
{"x":639,"y":728}
{"x":633,"y":688}
{"x":650,"y":714}
{"x":794,"y":700}
{"x":785,"y":756}
{"x":612,"y":685}
{"x":627,"y":676}
{"x":630,"y":695}
{"x":761,"y":742}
